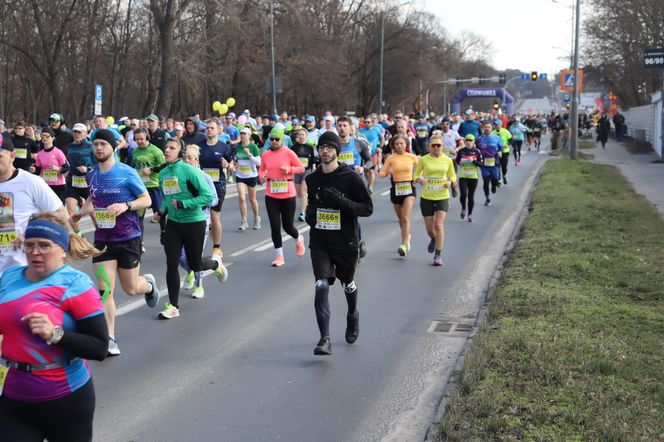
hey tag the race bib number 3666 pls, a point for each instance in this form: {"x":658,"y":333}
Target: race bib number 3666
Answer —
{"x":328,"y":219}
{"x":279,"y":186}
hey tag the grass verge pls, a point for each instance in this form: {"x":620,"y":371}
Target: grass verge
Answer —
{"x":572,"y":348}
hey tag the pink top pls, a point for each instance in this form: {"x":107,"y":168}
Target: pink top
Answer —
{"x":279,"y":184}
{"x":46,"y":160}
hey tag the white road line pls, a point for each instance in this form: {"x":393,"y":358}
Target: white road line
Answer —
{"x":387,"y":192}
{"x":250,"y":248}
{"x":283,"y":238}
{"x":163,"y":291}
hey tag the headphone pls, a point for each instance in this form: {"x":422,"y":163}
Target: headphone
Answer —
{"x":183,"y":146}
{"x":143,"y":131}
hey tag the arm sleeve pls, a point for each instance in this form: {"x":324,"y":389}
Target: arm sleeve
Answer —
{"x":361,"y":203}
{"x":310,"y":215}
{"x":91,"y":339}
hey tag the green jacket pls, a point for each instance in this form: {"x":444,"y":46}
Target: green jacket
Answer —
{"x":505,"y":136}
{"x":151,"y":157}
{"x":182,"y":182}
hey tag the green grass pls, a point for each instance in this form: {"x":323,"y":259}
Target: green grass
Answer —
{"x":573,"y":348}
{"x":587,"y":144}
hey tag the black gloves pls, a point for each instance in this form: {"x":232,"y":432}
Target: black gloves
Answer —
{"x":332,"y":197}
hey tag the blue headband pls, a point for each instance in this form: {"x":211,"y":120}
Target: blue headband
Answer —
{"x":41,"y":228}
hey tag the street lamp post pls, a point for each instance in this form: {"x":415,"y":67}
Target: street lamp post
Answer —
{"x":382,"y":50}
{"x":274,"y":78}
{"x":575,"y":96}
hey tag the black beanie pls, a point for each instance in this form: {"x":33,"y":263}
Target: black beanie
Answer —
{"x":106,"y":135}
{"x":330,"y":138}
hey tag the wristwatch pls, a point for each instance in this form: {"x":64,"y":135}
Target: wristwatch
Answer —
{"x":58,"y":333}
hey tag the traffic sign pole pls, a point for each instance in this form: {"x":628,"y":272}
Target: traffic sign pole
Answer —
{"x":574,"y":144}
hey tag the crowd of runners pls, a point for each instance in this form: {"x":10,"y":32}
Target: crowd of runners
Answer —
{"x":318,"y":171}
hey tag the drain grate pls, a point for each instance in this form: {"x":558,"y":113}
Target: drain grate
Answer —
{"x":450,"y":327}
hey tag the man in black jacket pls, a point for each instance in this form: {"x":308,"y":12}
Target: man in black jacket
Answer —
{"x":63,"y":137}
{"x":158,"y":136}
{"x":25,"y":147}
{"x":336,"y":197}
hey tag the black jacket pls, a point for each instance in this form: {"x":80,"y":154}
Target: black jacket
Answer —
{"x":349,"y":195}
{"x":31,"y":147}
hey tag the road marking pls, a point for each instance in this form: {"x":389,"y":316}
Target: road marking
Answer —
{"x":140,"y":302}
{"x":387,"y":192}
{"x":283,"y":238}
{"x":250,"y":248}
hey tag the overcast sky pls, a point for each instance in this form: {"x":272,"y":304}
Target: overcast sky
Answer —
{"x":530,"y":35}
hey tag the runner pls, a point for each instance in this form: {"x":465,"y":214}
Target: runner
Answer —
{"x":505,"y":137}
{"x":247,"y":159}
{"x":25,"y":147}
{"x":305,"y":152}
{"x":148,"y":160}
{"x":21,"y":195}
{"x":193,"y":280}
{"x":216,"y":157}
{"x":518,"y":131}
{"x":277,"y":167}
{"x":51,"y":164}
{"x":81,"y":160}
{"x":374,"y":135}
{"x":185,"y":192}
{"x":337,"y":196}
{"x":469,"y":159}
{"x":491,"y":147}
{"x":51,"y":318}
{"x":116,"y":193}
{"x":399,"y":166}
{"x":435,"y":172}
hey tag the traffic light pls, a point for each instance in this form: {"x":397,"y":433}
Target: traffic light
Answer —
{"x":533,"y":76}
{"x":482,"y":79}
{"x":567,"y":105}
{"x":501,"y":78}
{"x":496,"y":106}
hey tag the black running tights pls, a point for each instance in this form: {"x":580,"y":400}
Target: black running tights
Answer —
{"x":467,"y":188}
{"x":281,"y":213}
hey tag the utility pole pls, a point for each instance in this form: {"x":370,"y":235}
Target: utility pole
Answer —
{"x":574,"y":136}
{"x":382,"y":49}
{"x":274,"y":78}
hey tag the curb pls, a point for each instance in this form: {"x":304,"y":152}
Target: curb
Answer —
{"x":452,"y":384}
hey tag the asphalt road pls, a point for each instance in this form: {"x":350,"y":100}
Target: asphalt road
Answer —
{"x":238,"y":365}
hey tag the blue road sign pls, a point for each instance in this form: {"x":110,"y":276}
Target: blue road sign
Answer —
{"x":543,"y":76}
{"x":525,"y":76}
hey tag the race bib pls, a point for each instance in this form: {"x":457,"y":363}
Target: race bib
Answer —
{"x":3,"y":377}
{"x":347,"y":158}
{"x":7,"y":238}
{"x":279,"y":186}
{"x":401,"y":189}
{"x":305,"y":162}
{"x":50,"y":176}
{"x":104,"y":219}
{"x":328,"y":219}
{"x":171,"y":185}
{"x":21,"y":153}
{"x":489,"y":162}
{"x":467,"y":170}
{"x":8,"y":232}
{"x":213,"y":173}
{"x":434,"y":183}
{"x":244,"y":170}
{"x":79,"y":181}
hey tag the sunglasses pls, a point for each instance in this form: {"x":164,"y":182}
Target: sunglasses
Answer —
{"x":275,"y":139}
{"x":47,"y":136}
{"x":436,"y":145}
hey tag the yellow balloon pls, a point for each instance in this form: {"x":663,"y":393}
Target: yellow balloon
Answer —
{"x":230,"y":102}
{"x":216,"y":105}
{"x":223,"y":108}
{"x":110,"y":120}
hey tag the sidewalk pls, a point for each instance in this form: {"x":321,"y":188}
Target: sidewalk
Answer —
{"x":646,"y":176}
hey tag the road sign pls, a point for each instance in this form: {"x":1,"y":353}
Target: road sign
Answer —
{"x":98,"y":96}
{"x":543,"y":76}
{"x":525,"y":76}
{"x":653,"y":58}
{"x":567,"y":80}
{"x":567,"y":97}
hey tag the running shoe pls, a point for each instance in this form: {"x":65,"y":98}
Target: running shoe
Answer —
{"x":198,"y":292}
{"x":505,"y":180}
{"x":324,"y":347}
{"x":370,"y":189}
{"x":243,"y":225}
{"x":300,"y":217}
{"x":278,"y":261}
{"x":352,"y":327}
{"x":487,"y":202}
{"x":169,"y":312}
{"x":299,"y":246}
{"x":437,"y":261}
{"x":188,"y":282}
{"x":454,"y":192}
{"x":432,"y":245}
{"x":471,"y":218}
{"x":220,"y":272}
{"x":402,"y":250}
{"x":217,"y":251}
{"x":363,"y":248}
{"x":113,"y":349}
{"x":257,"y":223}
{"x":152,"y":297}
{"x":463,"y":213}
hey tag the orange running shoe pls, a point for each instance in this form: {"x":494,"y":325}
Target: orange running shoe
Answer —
{"x":299,"y":246}
{"x":278,"y":261}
